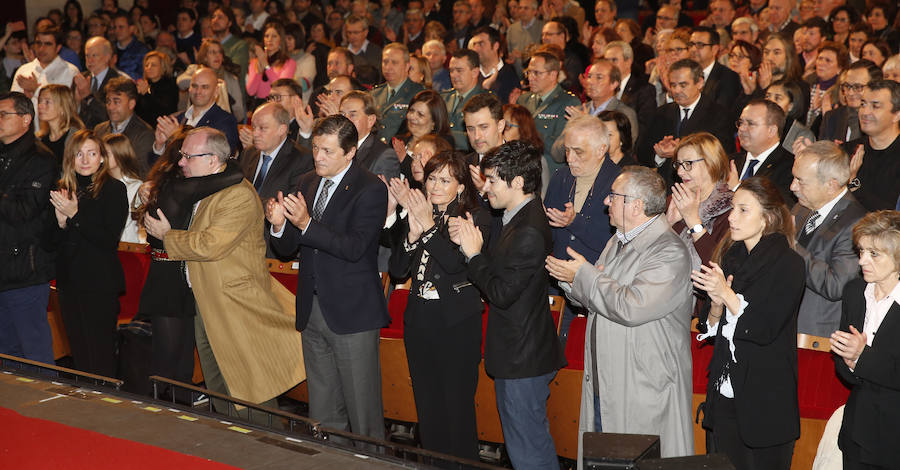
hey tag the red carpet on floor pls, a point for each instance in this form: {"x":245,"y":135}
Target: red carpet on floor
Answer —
{"x":40,"y":444}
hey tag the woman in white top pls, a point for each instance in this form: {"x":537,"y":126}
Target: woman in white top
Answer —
{"x":123,"y":166}
{"x":295,"y":46}
{"x":231,"y":95}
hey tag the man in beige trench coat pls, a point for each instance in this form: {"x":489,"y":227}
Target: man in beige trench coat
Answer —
{"x":245,"y":333}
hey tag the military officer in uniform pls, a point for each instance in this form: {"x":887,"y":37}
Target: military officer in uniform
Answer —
{"x":393,"y":96}
{"x":464,"y":71}
{"x":547,"y":101}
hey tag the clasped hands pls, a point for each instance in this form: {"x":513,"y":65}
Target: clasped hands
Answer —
{"x":292,"y":208}
{"x":849,"y":346}
{"x":65,"y":206}
{"x":711,"y":279}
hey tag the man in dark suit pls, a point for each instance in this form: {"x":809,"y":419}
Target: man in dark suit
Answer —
{"x":464,"y":75}
{"x":719,"y":82}
{"x":203,"y":112}
{"x":274,"y":163}
{"x":824,"y":217}
{"x":393,"y":96}
{"x":759,"y":130}
{"x":521,"y":352}
{"x":842,"y":123}
{"x":372,"y":154}
{"x":780,"y":17}
{"x":692,"y":111}
{"x":90,"y":86}
{"x":336,"y":217}
{"x":634,"y":90}
{"x":121,"y":98}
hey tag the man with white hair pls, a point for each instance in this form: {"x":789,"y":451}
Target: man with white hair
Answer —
{"x":638,"y":295}
{"x":436,"y":54}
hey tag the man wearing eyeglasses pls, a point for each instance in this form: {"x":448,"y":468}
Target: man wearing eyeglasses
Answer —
{"x":759,"y":131}
{"x":842,"y":123}
{"x":637,"y":338}
{"x":364,"y":52}
{"x":89,"y":87}
{"x":28,"y":171}
{"x":46,"y":68}
{"x":719,"y":82}
{"x":245,"y":336}
{"x":547,"y":101}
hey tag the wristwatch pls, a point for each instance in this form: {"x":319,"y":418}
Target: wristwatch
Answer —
{"x":695,"y":229}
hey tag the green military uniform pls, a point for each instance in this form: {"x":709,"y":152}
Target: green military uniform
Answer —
{"x":393,"y":109}
{"x":455,"y":103}
{"x":549,"y":117}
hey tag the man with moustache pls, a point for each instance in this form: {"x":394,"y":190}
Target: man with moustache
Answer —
{"x":464,"y":77}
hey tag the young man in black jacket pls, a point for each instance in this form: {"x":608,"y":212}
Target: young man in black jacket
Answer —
{"x":27,"y":173}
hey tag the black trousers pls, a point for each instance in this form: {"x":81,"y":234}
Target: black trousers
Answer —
{"x":728,"y":441}
{"x":443,"y":365}
{"x":90,"y":318}
{"x":173,"y":350}
{"x":852,"y":455}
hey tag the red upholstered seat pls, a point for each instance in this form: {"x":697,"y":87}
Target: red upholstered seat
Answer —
{"x":396,"y":308}
{"x":135,"y":264}
{"x":821,"y":391}
{"x":575,"y":343}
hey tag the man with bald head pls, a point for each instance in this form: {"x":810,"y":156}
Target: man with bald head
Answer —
{"x":90,"y":84}
{"x":202,"y":112}
{"x":273,"y":163}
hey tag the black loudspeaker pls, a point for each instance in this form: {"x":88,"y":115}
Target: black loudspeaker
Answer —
{"x":608,"y":451}
{"x":693,"y":462}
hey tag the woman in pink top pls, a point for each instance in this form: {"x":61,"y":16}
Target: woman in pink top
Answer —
{"x":268,"y":65}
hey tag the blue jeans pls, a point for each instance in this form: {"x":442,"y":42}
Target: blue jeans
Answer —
{"x":597,"y":422}
{"x":24,"y":331}
{"x":522,"y":404}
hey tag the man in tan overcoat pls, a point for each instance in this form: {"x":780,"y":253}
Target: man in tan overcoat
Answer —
{"x":245,"y":333}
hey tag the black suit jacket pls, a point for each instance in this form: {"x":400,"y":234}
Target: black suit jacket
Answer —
{"x":640,"y":96}
{"x":723,"y":85}
{"x":218,"y":118}
{"x":93,"y":106}
{"x":284,"y":173}
{"x":375,"y":156}
{"x":521,"y":338}
{"x":777,"y":168}
{"x":338,"y":254}
{"x":706,"y":116}
{"x":872,"y":413}
{"x":836,"y":122}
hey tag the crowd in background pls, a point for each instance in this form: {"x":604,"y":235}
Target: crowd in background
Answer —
{"x":771,"y":131}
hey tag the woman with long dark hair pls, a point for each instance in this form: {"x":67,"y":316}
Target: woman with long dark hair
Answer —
{"x":621,"y":142}
{"x":755,"y":283}
{"x":442,"y":323}
{"x":270,"y":62}
{"x":166,"y":297}
{"x":123,"y":165}
{"x":90,"y":207}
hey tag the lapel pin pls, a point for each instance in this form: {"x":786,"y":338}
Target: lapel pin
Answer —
{"x":347,"y":188}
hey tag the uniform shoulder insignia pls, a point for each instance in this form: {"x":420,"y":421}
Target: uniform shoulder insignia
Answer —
{"x":379,"y":86}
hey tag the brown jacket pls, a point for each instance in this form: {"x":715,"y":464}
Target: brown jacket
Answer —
{"x":248,"y":315}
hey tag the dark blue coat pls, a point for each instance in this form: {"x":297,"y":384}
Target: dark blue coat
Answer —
{"x":218,"y":118}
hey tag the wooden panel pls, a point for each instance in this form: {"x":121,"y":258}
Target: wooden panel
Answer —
{"x":198,"y":371}
{"x":817,"y":343}
{"x":564,"y":410}
{"x":396,"y":385}
{"x":57,"y":329}
{"x":299,"y":393}
{"x":486,"y":413}
{"x":557,"y":307}
{"x":282,"y":267}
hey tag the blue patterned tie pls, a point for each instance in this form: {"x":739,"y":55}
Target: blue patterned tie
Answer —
{"x":750,"y":166}
{"x":267,"y":160}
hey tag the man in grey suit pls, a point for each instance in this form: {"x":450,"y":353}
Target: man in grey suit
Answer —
{"x":824,"y":219}
{"x":121,"y":98}
{"x":637,"y":353}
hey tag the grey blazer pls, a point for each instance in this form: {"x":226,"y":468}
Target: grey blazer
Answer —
{"x":831,"y":262}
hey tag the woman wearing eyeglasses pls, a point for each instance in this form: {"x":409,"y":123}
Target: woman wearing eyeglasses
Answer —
{"x":90,"y":207}
{"x":755,"y":281}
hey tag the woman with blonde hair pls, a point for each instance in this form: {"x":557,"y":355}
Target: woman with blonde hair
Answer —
{"x":157,"y":91}
{"x":123,"y":166}
{"x":701,"y":203}
{"x":59,"y":118}
{"x":754,"y":283}
{"x":90,"y":207}
{"x":231,"y":95}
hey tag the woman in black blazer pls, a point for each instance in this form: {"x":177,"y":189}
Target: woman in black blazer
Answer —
{"x":442,"y":323}
{"x":91,"y":207}
{"x":751,"y":402}
{"x":867,"y":347}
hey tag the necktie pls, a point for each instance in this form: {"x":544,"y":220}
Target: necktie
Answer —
{"x":93,"y":84}
{"x":750,"y":166}
{"x":811,"y":222}
{"x":683,"y":121}
{"x":322,"y":200}
{"x":267,"y":160}
{"x":391,"y":93}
